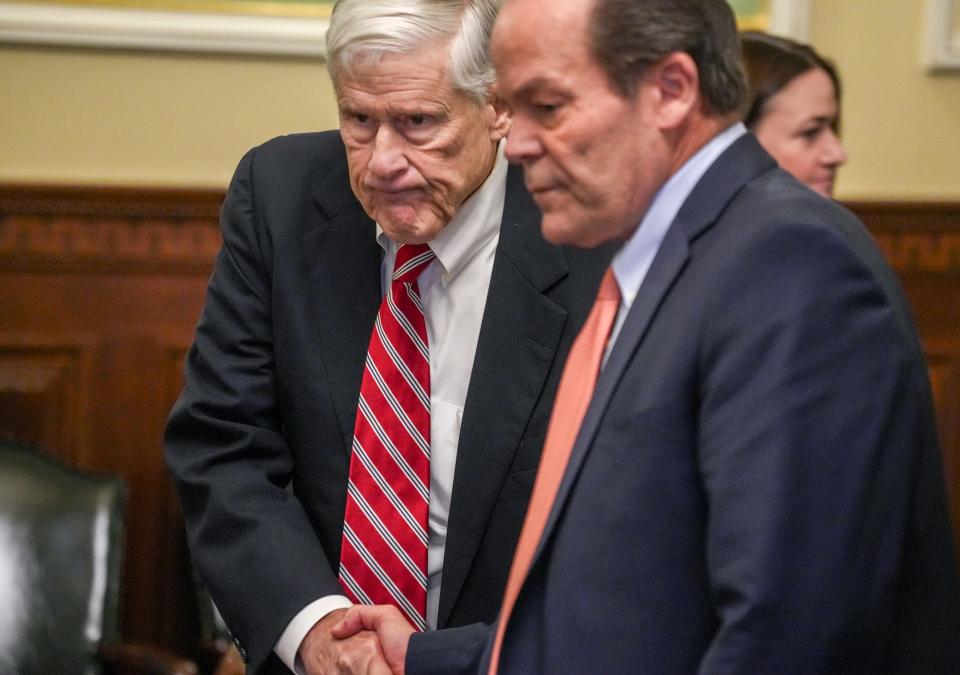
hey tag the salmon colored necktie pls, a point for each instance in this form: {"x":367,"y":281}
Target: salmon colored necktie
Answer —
{"x":573,"y":396}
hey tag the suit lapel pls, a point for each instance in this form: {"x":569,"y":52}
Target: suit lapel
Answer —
{"x":343,"y":259}
{"x":740,"y":163}
{"x":668,"y":264}
{"x":519,"y":336}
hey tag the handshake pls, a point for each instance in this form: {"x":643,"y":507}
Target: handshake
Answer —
{"x":362,"y":640}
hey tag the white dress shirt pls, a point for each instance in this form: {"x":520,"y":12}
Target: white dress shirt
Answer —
{"x":453,"y":290}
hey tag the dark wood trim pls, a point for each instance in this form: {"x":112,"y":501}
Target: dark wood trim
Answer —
{"x":917,"y":237}
{"x":175,"y":230}
{"x":110,"y":201}
{"x":124,"y":230}
{"x":203,"y":204}
{"x":940,"y":216}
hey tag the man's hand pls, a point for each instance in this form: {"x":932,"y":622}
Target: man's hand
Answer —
{"x":358,"y":654}
{"x":391,"y":628}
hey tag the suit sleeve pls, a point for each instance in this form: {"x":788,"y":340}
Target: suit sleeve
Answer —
{"x":452,"y":651}
{"x":250,"y":538}
{"x":814,"y":417}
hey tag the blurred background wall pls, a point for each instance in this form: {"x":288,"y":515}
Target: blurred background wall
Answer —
{"x":901,"y":125}
{"x":135,"y":118}
{"x":147,"y":118}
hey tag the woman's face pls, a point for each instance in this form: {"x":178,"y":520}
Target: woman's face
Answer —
{"x":798,"y":127}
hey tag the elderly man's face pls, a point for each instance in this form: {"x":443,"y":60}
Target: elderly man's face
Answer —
{"x":592,"y":158}
{"x":416,"y":147}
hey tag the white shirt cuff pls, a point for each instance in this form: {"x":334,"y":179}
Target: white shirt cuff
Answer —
{"x":288,"y":646}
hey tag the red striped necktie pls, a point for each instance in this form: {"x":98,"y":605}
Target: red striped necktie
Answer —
{"x":383,"y":558}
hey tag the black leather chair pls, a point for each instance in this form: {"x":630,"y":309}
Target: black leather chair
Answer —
{"x":61,"y":549}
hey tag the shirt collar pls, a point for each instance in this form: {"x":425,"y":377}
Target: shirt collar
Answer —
{"x":473,"y":225}
{"x":632,"y":262}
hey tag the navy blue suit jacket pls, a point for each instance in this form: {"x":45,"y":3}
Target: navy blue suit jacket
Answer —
{"x":259,"y":442}
{"x":757,"y":484}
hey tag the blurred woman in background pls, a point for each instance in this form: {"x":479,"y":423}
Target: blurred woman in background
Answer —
{"x":794,"y":108}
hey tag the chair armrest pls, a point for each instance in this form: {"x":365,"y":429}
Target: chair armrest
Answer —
{"x":219,"y":657}
{"x":139,"y":659}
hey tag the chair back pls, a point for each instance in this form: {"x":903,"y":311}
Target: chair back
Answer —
{"x":61,"y":543}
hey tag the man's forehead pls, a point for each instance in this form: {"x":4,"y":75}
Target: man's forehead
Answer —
{"x":539,"y":82}
{"x":551,"y":18}
{"x":391,"y":71}
{"x":526,"y":29}
{"x":393,"y":96}
{"x":433,"y":54}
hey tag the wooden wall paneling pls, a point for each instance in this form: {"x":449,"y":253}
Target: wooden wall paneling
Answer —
{"x":944,"y":361}
{"x":922,"y":243}
{"x":100,"y":289}
{"x":44,"y":392}
{"x":93,"y":282}
{"x":180,"y":569}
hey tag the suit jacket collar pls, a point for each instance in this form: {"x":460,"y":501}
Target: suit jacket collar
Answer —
{"x":743,"y":161}
{"x":343,"y":261}
{"x":519,"y":337}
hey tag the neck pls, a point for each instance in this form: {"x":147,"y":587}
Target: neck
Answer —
{"x":699,"y":129}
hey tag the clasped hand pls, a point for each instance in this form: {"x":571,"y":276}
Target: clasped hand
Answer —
{"x":362,"y":640}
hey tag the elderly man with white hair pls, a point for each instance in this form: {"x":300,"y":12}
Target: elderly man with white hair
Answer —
{"x":373,"y":372}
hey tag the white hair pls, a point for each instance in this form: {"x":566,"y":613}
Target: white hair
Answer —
{"x":367,"y":29}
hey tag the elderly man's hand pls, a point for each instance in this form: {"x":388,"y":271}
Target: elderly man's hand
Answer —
{"x":391,"y":628}
{"x":358,"y":653}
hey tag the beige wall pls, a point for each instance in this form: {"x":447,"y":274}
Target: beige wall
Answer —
{"x":86,"y":116}
{"x":901,"y":125}
{"x":93,"y":117}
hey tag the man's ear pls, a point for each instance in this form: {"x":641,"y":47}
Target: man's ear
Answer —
{"x":677,"y":82}
{"x":499,"y":117}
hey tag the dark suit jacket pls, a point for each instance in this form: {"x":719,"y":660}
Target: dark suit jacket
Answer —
{"x":757,"y":485}
{"x":258,"y":443}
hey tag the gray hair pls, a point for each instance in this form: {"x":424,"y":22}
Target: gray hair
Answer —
{"x":367,"y":29}
{"x":627,"y":36}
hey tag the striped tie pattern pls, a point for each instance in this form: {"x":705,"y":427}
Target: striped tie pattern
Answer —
{"x":383,"y":557}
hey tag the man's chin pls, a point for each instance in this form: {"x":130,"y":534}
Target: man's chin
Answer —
{"x":408,"y":228}
{"x":558,"y":228}
{"x":824,"y":187}
{"x":582,"y":229}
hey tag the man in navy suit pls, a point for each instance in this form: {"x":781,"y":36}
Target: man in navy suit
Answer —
{"x":756,"y":486}
{"x":259,"y":443}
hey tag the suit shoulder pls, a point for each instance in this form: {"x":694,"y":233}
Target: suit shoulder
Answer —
{"x":301,"y":151}
{"x":776,"y":198}
{"x":296,"y":169}
{"x":781,"y":218}
{"x":775,"y":219}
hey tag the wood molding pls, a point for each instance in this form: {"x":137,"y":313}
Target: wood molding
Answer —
{"x":917,"y":237}
{"x":113,"y":229}
{"x":299,"y":34}
{"x":44,"y":392}
{"x":176,"y":229}
{"x":110,"y":201}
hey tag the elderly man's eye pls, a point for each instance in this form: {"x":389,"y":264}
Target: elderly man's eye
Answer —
{"x":417,"y":120}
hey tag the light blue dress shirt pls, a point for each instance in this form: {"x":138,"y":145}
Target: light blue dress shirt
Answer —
{"x":632,"y":262}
